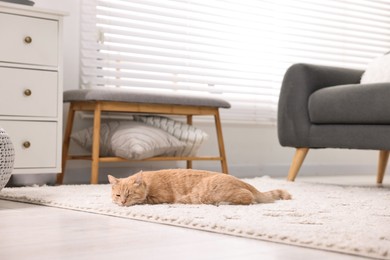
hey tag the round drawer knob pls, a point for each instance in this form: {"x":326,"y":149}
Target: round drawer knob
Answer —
{"x":27,"y":39}
{"x":26,"y":144}
{"x":27,"y":92}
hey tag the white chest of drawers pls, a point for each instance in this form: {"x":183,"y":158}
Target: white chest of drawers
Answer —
{"x":31,"y":86}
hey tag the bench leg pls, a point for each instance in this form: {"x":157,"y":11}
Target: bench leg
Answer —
{"x":189,"y":122}
{"x":221,"y":145}
{"x":65,"y":146}
{"x":96,"y":144}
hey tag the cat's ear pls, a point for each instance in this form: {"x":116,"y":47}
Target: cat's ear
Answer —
{"x":138,"y":180}
{"x":112,"y":179}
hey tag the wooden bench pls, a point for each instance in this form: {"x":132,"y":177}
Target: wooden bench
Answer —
{"x":100,"y":100}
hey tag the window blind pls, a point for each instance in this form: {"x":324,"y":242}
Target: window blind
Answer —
{"x":235,"y":49}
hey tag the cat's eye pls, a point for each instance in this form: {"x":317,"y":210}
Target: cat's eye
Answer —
{"x":118,"y":195}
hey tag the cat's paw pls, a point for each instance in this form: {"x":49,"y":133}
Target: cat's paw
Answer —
{"x":284,"y":195}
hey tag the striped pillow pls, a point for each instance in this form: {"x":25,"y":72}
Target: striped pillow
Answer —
{"x":192,"y":136}
{"x":130,"y":140}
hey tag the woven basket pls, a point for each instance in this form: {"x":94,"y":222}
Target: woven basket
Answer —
{"x":7,"y":157}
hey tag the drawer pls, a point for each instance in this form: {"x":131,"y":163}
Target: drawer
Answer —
{"x":28,"y":92}
{"x":15,"y":47}
{"x":35,"y":143}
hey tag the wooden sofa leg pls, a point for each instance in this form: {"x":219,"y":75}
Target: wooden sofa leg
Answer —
{"x":296,"y":164}
{"x":383,"y":158}
{"x":65,"y":146}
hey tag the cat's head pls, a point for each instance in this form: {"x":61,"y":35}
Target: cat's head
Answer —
{"x":128,"y":191}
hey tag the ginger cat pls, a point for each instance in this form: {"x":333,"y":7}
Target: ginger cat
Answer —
{"x":188,"y":186}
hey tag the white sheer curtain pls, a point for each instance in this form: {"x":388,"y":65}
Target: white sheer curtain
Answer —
{"x":235,"y":49}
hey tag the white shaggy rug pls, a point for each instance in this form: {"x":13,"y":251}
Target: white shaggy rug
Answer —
{"x":353,"y":220}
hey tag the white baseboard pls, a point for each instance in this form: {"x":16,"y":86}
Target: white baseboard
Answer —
{"x":281,"y":170}
{"x":80,"y":173}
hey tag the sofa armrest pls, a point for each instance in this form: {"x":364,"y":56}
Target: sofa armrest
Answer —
{"x":299,"y":82}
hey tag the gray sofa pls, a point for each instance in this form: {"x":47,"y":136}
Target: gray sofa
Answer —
{"x":327,"y":107}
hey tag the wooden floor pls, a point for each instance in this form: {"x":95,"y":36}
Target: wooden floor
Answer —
{"x":38,"y":232}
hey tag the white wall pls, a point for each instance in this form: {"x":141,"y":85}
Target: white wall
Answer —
{"x":71,"y":37}
{"x":252,"y":150}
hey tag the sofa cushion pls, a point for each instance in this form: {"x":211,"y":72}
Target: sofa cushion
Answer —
{"x":351,"y":104}
{"x":378,"y":70}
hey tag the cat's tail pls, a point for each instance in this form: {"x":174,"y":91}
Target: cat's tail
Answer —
{"x":271,"y":196}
